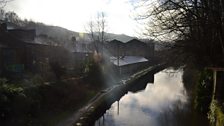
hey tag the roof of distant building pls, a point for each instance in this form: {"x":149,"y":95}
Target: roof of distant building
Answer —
{"x":9,"y":25}
{"x":115,"y":41}
{"x":131,"y":41}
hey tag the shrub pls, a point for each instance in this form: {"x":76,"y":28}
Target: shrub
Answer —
{"x":94,"y":74}
{"x":8,"y":94}
{"x":215,"y":115}
{"x":204,"y":91}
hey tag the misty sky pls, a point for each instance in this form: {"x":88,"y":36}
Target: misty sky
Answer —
{"x":74,"y":14}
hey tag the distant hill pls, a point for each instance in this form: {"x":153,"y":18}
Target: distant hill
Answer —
{"x":55,"y":35}
{"x":63,"y":36}
{"x":47,"y":34}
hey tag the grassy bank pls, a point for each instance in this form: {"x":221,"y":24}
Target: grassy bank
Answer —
{"x":33,"y":101}
{"x":42,"y":104}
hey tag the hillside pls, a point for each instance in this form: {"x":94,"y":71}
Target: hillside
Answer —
{"x":65,"y":35}
{"x":55,"y":35}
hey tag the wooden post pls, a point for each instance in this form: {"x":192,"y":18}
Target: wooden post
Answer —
{"x":118,"y":107}
{"x":215,"y":70}
{"x":99,"y":122}
{"x":118,"y":58}
{"x":214,"y":84}
{"x":103,"y":119}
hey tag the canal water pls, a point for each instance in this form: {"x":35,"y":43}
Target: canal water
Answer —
{"x":162,"y":103}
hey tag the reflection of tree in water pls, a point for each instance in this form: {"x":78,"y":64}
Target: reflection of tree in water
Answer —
{"x":180,"y":114}
{"x":173,"y":115}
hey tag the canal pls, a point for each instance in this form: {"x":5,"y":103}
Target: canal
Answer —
{"x":162,"y":103}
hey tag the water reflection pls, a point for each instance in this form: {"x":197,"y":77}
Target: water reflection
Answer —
{"x":163,"y":103}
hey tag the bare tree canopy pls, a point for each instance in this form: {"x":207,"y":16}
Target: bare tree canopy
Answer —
{"x":3,"y":3}
{"x":195,"y":26}
{"x":96,"y":29}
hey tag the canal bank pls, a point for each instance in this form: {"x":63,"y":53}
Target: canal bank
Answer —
{"x":103,"y":100}
{"x":166,"y":102}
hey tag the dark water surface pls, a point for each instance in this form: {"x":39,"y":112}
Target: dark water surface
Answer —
{"x":164,"y":103}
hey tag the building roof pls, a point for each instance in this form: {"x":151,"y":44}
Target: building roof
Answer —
{"x":136,"y":41}
{"x":132,"y":41}
{"x":23,"y":34}
{"x":127,"y":60}
{"x":115,"y":41}
{"x":9,"y":25}
{"x":8,"y":40}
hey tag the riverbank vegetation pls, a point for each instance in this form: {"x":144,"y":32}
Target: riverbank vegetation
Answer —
{"x":199,"y":85}
{"x":194,"y":30}
{"x":216,"y":115}
{"x":203,"y":91}
{"x":34,"y":101}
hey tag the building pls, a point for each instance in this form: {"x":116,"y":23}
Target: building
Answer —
{"x":19,"y":53}
{"x":133,"y":47}
{"x":136,"y":47}
{"x":130,"y":57}
{"x":116,"y":48}
{"x":129,"y":64}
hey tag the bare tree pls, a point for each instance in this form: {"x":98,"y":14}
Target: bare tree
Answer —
{"x":11,"y":17}
{"x":101,"y":24}
{"x":96,"y":29}
{"x":195,"y":26}
{"x":3,"y":3}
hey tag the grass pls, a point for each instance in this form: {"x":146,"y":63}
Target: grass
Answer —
{"x":41,"y":104}
{"x":68,"y":112}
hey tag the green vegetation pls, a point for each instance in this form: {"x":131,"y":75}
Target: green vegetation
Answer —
{"x":203,"y":101}
{"x":203,"y":92}
{"x":9,"y":94}
{"x":32,"y":101}
{"x":216,"y":115}
{"x":94,"y":75}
